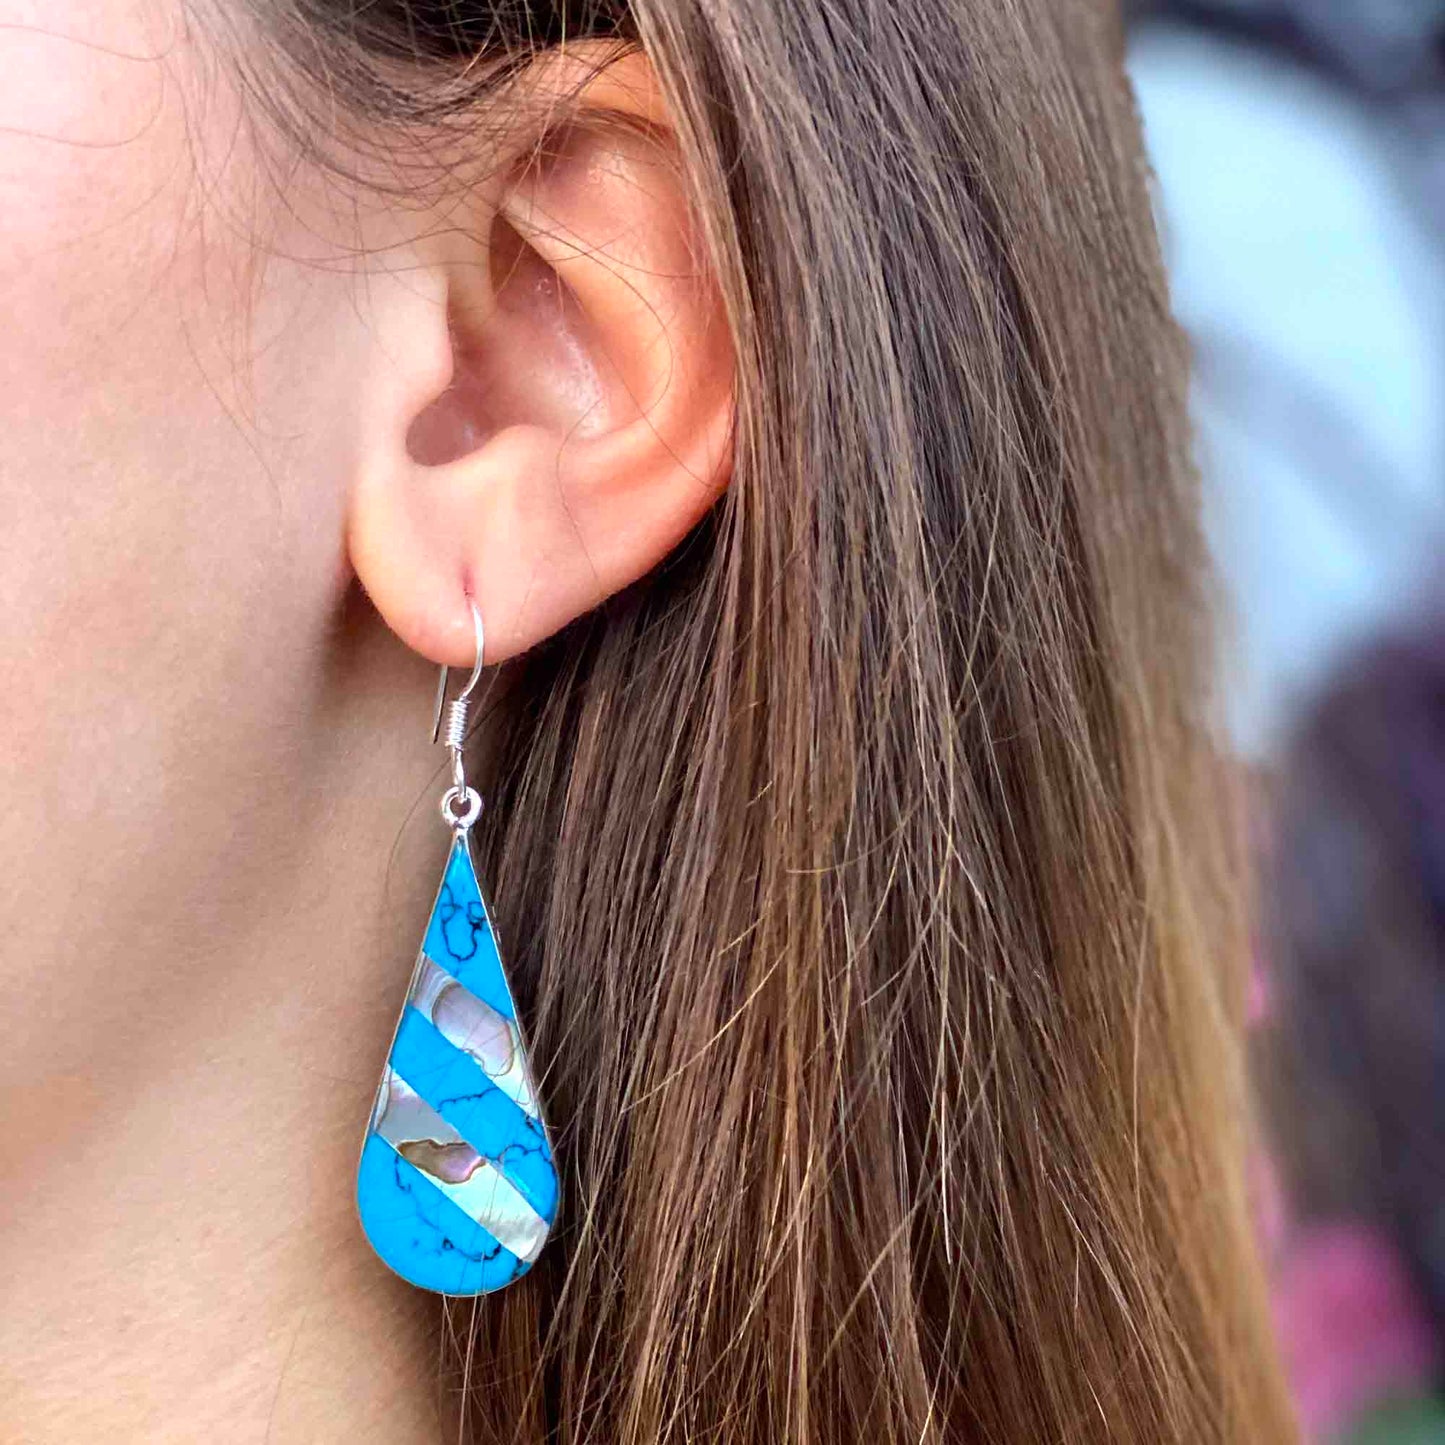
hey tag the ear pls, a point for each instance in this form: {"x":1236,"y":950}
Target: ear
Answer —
{"x":550,"y":409}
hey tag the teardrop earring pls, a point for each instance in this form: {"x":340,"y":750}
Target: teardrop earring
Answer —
{"x":457,"y":1190}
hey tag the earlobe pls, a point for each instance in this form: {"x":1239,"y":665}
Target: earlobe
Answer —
{"x":585,"y":427}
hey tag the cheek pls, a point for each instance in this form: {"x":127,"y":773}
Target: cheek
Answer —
{"x":170,"y":496}
{"x":90,"y":143}
{"x":92,"y":140}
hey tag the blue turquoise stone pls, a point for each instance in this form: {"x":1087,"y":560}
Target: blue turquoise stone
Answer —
{"x":460,"y":939}
{"x":421,"y":1234}
{"x":457,"y":1188}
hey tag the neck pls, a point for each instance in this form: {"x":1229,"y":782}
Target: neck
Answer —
{"x":205,"y":1000}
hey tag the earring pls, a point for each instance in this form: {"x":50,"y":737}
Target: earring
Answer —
{"x":457,"y":1190}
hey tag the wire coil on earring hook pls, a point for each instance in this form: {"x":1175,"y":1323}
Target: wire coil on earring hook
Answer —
{"x":454,"y":737}
{"x":455,"y":732}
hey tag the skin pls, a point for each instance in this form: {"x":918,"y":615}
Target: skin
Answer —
{"x":229,"y":407}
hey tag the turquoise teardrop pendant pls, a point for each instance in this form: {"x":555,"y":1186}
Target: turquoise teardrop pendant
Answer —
{"x":457,"y":1189}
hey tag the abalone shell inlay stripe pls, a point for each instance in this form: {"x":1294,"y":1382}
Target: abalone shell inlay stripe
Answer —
{"x":456,"y":1087}
{"x":425,"y":1140}
{"x":457,"y":1190}
{"x":476,"y":1028}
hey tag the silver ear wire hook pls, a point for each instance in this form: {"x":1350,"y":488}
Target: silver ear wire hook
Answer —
{"x":465,"y":694}
{"x":456,"y":733}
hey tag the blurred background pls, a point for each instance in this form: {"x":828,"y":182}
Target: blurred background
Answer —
{"x":1299,"y":147}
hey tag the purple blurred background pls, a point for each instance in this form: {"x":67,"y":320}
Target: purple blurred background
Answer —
{"x":1300,"y":152}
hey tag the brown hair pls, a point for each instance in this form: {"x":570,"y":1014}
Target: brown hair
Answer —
{"x":864,"y":869}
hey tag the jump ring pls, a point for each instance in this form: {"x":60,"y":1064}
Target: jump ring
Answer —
{"x":471,"y":809}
